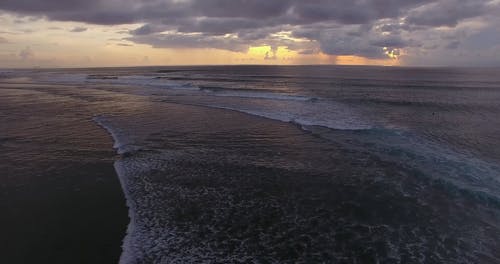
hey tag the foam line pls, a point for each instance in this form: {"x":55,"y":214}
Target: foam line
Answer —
{"x":126,"y":256}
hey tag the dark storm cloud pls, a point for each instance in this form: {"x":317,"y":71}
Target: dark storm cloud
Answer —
{"x":190,"y":41}
{"x":360,"y":40}
{"x":351,"y":11}
{"x":447,"y":12}
{"x":392,"y":41}
{"x":45,"y":6}
{"x":220,"y":26}
{"x":256,"y":34}
{"x":453,"y":45}
{"x":277,"y":11}
{"x":90,"y":11}
{"x":338,"y":43}
{"x":339,"y":27}
{"x":144,"y":30}
{"x":255,"y":9}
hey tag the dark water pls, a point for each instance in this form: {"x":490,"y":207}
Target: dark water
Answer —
{"x":300,"y":164}
{"x":60,"y":198}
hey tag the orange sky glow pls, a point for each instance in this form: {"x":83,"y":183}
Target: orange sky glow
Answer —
{"x":35,"y":42}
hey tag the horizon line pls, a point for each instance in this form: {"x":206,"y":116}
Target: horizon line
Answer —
{"x":245,"y":65}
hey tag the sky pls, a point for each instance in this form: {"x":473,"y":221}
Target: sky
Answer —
{"x":85,"y":33}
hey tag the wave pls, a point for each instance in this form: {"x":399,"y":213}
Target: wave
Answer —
{"x":123,"y":143}
{"x":408,"y":103}
{"x":344,"y":123}
{"x":112,"y":79}
{"x":464,"y":171}
{"x":425,"y":105}
{"x":223,"y":89}
{"x":262,"y":95}
{"x":153,"y":201}
{"x":101,"y":77}
{"x":208,"y":79}
{"x":458,"y":173}
{"x":140,"y":80}
{"x":5,"y":74}
{"x":300,"y":111}
{"x":123,"y":169}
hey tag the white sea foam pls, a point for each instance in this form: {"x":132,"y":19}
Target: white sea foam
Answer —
{"x":120,"y":143}
{"x":126,"y":256}
{"x":303,"y":110}
{"x":324,"y":113}
{"x":126,"y":80}
{"x":68,"y":78}
{"x":148,"y":238}
{"x":462,"y":170}
{"x":129,"y":254}
{"x":147,"y":81}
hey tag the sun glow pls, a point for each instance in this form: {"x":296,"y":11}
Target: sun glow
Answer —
{"x":392,"y":53}
{"x":357,"y":60}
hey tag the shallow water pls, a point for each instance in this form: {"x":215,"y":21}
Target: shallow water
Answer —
{"x":60,"y":198}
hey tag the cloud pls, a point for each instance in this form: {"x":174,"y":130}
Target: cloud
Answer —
{"x":367,"y":28}
{"x":143,"y":30}
{"x":275,"y":12}
{"x":447,"y":12}
{"x":78,"y":29}
{"x":393,"y":41}
{"x":308,"y":51}
{"x":453,"y":45}
{"x":26,"y":54}
{"x":271,"y":55}
{"x":183,"y":41}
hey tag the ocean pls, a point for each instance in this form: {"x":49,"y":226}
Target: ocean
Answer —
{"x":275,"y":164}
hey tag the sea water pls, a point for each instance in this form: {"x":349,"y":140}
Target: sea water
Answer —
{"x":304,"y":163}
